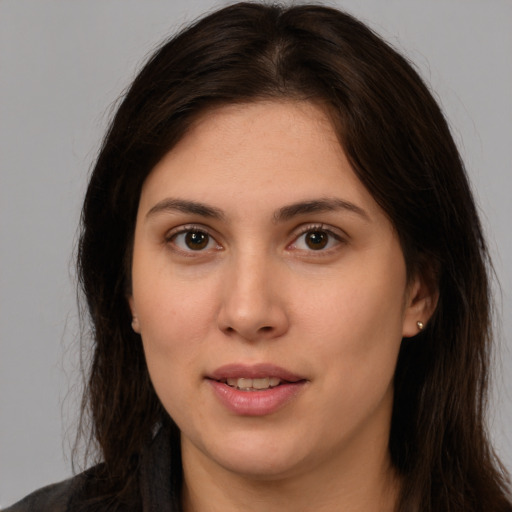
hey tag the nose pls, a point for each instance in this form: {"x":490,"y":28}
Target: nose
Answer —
{"x":253,"y":305}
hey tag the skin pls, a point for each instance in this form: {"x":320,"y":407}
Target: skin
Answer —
{"x":258,"y":292}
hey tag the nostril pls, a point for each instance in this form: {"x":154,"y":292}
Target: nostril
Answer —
{"x":266,"y":329}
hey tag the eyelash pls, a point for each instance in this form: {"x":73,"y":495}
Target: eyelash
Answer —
{"x":199,"y":230}
{"x":189,"y":230}
{"x":319,"y":228}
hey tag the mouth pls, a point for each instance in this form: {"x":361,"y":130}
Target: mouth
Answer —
{"x":248,"y":384}
{"x":255,"y":390}
{"x":255,"y":377}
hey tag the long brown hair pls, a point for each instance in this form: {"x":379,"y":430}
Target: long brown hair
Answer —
{"x":400,"y":147}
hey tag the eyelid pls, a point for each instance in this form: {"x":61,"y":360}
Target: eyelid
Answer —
{"x":339,"y":235}
{"x":336,"y":233}
{"x":186,"y":228}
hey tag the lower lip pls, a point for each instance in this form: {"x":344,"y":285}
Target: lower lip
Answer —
{"x":256,"y":403}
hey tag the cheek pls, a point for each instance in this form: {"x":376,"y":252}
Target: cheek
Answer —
{"x":171,"y":307}
{"x":356,"y":346}
{"x":355,"y":323}
{"x":175,"y":320}
{"x":171,"y":347}
{"x":357,"y":306}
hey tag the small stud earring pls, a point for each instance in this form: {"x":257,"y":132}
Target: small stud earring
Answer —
{"x":135,"y":324}
{"x":420,"y":325}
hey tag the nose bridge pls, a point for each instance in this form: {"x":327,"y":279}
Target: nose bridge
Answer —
{"x":253,"y":305}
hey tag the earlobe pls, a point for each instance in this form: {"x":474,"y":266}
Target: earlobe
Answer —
{"x":135,"y":318}
{"x":420,"y":306}
{"x":135,"y":324}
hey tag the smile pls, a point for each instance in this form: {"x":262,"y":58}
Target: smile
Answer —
{"x":248,"y":384}
{"x":255,"y":390}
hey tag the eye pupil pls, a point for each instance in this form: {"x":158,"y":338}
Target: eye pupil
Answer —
{"x":196,"y":240}
{"x":317,"y":240}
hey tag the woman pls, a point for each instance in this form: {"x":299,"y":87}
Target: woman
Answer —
{"x":287,"y":280}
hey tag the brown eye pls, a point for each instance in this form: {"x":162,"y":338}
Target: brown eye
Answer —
{"x":193,"y":240}
{"x":316,"y":240}
{"x":196,"y":240}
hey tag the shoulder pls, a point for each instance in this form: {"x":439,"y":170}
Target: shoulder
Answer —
{"x":53,"y":497}
{"x":69,"y":495}
{"x":154,"y":483}
{"x":84,"y":492}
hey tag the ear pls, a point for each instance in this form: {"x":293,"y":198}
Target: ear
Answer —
{"x":135,"y":318}
{"x":421,"y":302}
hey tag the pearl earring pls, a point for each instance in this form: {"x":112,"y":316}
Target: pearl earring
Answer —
{"x":420,"y":325}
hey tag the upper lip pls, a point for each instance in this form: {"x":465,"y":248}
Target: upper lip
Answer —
{"x":253,"y":371}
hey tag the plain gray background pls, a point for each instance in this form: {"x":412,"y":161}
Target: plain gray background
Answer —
{"x":62,"y":65}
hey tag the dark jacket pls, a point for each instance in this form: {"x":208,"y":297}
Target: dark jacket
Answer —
{"x":156,"y":488}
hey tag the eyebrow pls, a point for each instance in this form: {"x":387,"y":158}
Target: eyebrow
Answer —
{"x":185,"y":206}
{"x":282,"y":215}
{"x":318,"y":206}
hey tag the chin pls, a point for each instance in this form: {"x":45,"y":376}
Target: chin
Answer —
{"x":263,"y":468}
{"x":255,"y":456}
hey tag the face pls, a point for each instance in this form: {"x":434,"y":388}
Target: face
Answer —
{"x":271,"y":295}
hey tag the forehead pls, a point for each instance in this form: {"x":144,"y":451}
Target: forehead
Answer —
{"x":259,"y":153}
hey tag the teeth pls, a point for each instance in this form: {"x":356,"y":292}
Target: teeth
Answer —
{"x":261,"y":383}
{"x":253,"y":384}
